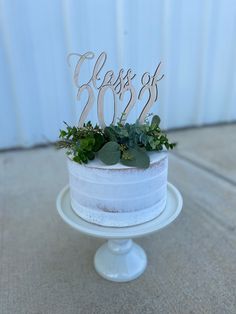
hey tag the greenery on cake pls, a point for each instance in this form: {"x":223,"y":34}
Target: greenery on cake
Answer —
{"x":124,"y":142}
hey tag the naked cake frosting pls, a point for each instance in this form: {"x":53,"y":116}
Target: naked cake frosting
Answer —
{"x":118,"y":195}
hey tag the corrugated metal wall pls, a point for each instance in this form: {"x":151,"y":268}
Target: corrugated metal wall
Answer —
{"x":195,"y":40}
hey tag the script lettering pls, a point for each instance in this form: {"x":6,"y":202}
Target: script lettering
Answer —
{"x":117,"y":85}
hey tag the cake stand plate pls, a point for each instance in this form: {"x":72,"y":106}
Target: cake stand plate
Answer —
{"x":120,"y":259}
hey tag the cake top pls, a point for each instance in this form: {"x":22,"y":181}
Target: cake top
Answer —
{"x":154,"y":157}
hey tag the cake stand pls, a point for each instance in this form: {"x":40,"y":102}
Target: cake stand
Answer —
{"x":120,"y":259}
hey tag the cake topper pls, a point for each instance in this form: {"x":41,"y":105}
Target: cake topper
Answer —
{"x":118,"y":85}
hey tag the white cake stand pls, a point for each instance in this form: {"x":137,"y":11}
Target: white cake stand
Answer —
{"x":120,"y":259}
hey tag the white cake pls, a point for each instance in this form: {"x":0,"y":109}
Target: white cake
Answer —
{"x":117,"y":195}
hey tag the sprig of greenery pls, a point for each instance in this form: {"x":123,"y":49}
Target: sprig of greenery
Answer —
{"x":81,"y":143}
{"x":125,"y":143}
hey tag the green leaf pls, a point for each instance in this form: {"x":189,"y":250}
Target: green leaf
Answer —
{"x":139,"y":159}
{"x":99,"y":141}
{"x":124,"y":133}
{"x":110,"y":133}
{"x":156,"y":120}
{"x":90,"y":155}
{"x":109,"y":154}
{"x":80,"y":159}
{"x":151,"y":142}
{"x":87,"y":143}
{"x":62,"y":133}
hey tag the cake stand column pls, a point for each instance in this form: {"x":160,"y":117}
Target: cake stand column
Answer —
{"x":120,"y":260}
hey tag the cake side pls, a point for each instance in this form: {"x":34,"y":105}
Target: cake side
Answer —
{"x":119,"y":195}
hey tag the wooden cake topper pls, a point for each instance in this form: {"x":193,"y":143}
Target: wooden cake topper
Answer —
{"x":117,"y":85}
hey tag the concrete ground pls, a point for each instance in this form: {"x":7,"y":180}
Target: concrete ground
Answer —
{"x":47,"y":268}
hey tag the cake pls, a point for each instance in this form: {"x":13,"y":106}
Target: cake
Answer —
{"x":117,"y":172}
{"x":118,"y":195}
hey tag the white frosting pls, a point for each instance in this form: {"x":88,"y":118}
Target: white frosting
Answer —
{"x":118,"y":195}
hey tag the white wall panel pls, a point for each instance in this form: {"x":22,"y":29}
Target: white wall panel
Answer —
{"x":195,"y":40}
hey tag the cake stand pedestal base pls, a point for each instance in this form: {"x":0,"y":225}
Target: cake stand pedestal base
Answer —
{"x":120,"y":259}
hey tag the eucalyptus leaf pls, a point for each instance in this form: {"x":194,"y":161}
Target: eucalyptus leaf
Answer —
{"x":109,"y":154}
{"x":110,"y":133}
{"x":156,"y":120}
{"x":139,"y":159}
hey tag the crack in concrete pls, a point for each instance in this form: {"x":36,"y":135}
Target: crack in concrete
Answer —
{"x":205,"y":168}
